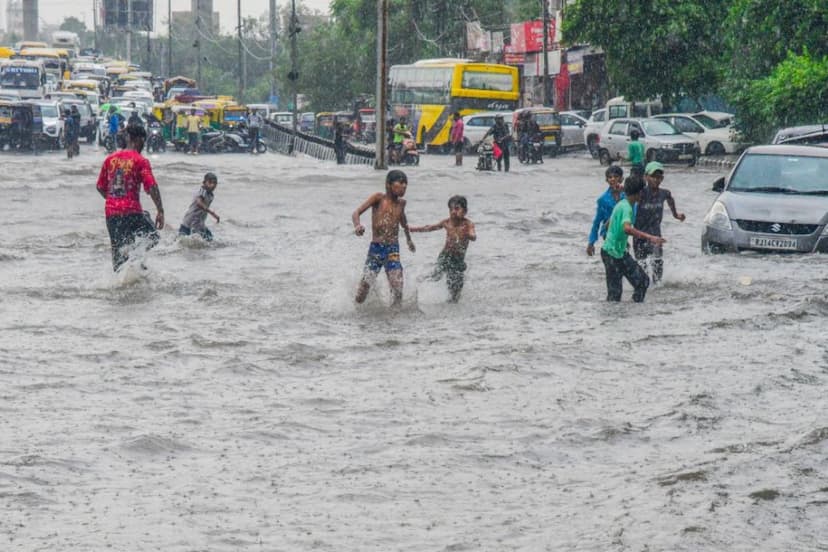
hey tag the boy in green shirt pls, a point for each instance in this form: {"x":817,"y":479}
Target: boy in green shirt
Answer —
{"x":635,"y":151}
{"x":617,"y":260}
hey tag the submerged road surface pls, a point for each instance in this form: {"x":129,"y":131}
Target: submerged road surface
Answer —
{"x":232,"y":397}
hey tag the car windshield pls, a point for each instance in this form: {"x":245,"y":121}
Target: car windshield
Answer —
{"x":659,"y":128}
{"x":708,"y":122}
{"x":784,"y":174}
{"x":49,"y":111}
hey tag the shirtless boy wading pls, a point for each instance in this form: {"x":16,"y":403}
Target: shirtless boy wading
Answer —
{"x":387,"y":215}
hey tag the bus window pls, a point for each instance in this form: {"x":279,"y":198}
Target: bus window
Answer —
{"x":479,"y":80}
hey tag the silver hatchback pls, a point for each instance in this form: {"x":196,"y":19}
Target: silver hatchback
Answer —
{"x":774,"y":199}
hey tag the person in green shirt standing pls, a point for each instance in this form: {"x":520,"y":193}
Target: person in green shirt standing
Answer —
{"x":617,"y":260}
{"x":635,"y":151}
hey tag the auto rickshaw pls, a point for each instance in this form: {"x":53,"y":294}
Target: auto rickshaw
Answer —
{"x":214,"y":110}
{"x":549,"y":122}
{"x":179,"y":113}
{"x":233,"y":116}
{"x":324,"y":125}
{"x":365,"y":126}
{"x":21,"y":125}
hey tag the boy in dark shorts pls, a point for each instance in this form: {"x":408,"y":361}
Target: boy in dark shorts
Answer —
{"x":387,"y":215}
{"x":452,"y":259}
{"x":123,"y":175}
{"x":649,"y":215}
{"x":617,"y":261}
{"x":196,"y":215}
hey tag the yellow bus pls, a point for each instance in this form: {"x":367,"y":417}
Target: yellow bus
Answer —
{"x":429,"y":91}
{"x":50,"y":57}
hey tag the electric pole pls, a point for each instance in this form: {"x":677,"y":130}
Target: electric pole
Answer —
{"x":545,"y":8}
{"x":382,"y":82}
{"x":241,"y":54}
{"x":293,"y":76}
{"x":129,"y":32}
{"x":169,"y":38}
{"x":198,"y":44}
{"x":273,"y":14}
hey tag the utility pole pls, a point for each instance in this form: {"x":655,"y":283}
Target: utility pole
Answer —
{"x":198,"y":44}
{"x":129,"y":32}
{"x":273,"y":14}
{"x":382,"y":82}
{"x":293,"y":76}
{"x":545,"y":8}
{"x":241,"y":54}
{"x":95,"y":21}
{"x":169,"y":38}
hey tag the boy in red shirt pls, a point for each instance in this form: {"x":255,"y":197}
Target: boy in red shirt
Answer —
{"x":122,"y":175}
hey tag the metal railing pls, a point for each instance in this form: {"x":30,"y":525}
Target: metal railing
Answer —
{"x":280,"y":139}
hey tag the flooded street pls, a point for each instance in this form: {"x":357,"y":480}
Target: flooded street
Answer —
{"x":233,"y":397}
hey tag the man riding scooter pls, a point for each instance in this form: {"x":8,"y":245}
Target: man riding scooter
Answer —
{"x":401,"y":132}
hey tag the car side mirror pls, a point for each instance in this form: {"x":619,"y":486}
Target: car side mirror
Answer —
{"x":719,"y":184}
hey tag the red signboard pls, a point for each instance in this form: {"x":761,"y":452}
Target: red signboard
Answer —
{"x":527,"y":37}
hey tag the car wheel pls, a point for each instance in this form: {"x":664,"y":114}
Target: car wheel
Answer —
{"x":467,"y":146}
{"x":715,"y":148}
{"x":592,"y":145}
{"x":604,"y":157}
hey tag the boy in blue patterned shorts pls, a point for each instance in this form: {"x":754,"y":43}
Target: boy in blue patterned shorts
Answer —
{"x":387,"y":215}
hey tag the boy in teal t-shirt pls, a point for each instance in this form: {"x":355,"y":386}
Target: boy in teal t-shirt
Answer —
{"x":635,"y":151}
{"x":617,"y":260}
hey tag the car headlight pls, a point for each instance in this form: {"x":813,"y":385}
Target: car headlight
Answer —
{"x":50,"y":128}
{"x":717,"y":217}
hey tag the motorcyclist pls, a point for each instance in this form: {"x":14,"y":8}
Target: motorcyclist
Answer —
{"x":503,"y":139}
{"x":401,"y":132}
{"x":135,"y":118}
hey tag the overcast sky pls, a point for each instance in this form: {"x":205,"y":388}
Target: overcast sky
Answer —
{"x":55,"y":11}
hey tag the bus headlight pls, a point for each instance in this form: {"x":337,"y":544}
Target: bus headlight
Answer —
{"x":717,"y":217}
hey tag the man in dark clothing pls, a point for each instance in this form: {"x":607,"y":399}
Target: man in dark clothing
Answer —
{"x":503,"y":139}
{"x":339,"y":143}
{"x":649,"y":215}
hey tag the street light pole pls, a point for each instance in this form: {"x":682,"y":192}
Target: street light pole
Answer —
{"x":382,"y":82}
{"x":545,"y":8}
{"x":293,"y":76}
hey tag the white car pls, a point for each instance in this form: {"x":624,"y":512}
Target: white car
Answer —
{"x":592,"y":130}
{"x":662,"y":141}
{"x":476,"y":126}
{"x":52,"y":123}
{"x":712,"y":141}
{"x":572,"y":130}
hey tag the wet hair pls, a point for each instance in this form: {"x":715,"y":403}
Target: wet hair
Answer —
{"x":395,"y":175}
{"x":614,"y":170}
{"x":456,"y":114}
{"x":633,"y":185}
{"x":136,"y":131}
{"x":634,"y":134}
{"x":458,"y":200}
{"x":210,"y":177}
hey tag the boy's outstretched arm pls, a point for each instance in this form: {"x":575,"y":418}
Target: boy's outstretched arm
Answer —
{"x":358,"y":228}
{"x":203,"y":206}
{"x":631,"y":230}
{"x":407,"y":230}
{"x":429,"y":227}
{"x":672,"y":204}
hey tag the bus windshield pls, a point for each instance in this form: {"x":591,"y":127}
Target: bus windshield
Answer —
{"x":414,"y":85}
{"x":19,"y":77}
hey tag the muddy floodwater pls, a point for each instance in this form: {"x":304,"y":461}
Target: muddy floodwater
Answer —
{"x":233,"y":397}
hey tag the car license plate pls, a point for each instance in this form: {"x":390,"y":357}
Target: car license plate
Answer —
{"x":773,"y":243}
{"x":686,"y":156}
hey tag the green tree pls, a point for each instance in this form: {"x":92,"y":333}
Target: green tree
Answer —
{"x":653,"y":47}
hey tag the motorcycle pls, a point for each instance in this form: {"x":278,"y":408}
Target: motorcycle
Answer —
{"x":409,"y":154}
{"x":230,"y":141}
{"x":155,"y":140}
{"x":485,"y":157}
{"x":536,"y":149}
{"x":111,"y":143}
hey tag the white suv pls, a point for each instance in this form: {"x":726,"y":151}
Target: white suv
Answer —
{"x":662,"y":142}
{"x":52,"y":123}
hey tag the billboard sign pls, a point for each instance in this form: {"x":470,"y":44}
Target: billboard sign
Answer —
{"x":527,"y":37}
{"x":116,"y":14}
